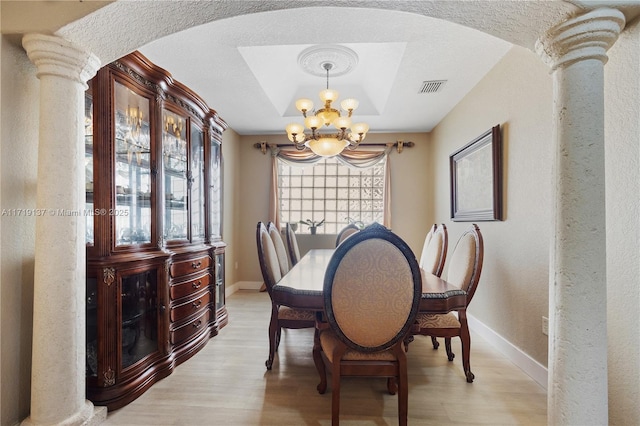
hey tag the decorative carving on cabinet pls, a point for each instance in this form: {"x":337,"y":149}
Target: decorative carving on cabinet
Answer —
{"x":109,"y":275}
{"x":137,"y":77}
{"x":109,"y":377}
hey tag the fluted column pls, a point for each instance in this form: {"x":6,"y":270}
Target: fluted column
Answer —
{"x":576,"y":52}
{"x":58,"y":361}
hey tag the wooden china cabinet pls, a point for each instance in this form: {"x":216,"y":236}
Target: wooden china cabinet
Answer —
{"x":155,"y":255}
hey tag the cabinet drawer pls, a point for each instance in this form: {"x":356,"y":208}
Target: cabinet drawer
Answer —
{"x":191,"y":328}
{"x":189,"y":308}
{"x":190,"y":266}
{"x":189,"y":287}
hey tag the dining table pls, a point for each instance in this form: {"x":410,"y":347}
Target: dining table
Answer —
{"x":302,"y":287}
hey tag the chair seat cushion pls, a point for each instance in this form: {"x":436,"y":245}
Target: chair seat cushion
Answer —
{"x":437,"y":321}
{"x":329,"y":341}
{"x":287,"y":313}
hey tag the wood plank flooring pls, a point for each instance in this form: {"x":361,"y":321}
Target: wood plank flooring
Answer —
{"x":227,"y":384}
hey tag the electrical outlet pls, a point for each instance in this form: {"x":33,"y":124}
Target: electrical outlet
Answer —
{"x":236,"y":265}
{"x":545,"y":326}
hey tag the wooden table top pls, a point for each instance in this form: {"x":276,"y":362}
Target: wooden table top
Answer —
{"x":302,"y":287}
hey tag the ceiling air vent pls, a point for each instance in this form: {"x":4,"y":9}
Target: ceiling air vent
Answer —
{"x":431,"y":86}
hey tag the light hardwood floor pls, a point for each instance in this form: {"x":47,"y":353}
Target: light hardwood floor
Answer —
{"x":227,"y":384}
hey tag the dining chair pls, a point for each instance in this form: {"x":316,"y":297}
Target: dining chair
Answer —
{"x":434,"y":250}
{"x":281,"y":316}
{"x":345,"y":232}
{"x":434,"y":254}
{"x":372,"y":289}
{"x":465,"y":266}
{"x":292,"y":245}
{"x":281,"y":251}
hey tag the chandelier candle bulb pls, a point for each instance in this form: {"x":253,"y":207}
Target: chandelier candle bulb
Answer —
{"x":313,"y":122}
{"x":360,"y":128}
{"x":342,"y":122}
{"x":349,"y":104}
{"x":295,"y":128}
{"x":303,"y":105}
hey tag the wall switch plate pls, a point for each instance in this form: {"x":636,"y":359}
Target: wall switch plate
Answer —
{"x":545,"y":326}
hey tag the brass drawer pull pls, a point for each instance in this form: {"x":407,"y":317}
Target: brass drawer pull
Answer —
{"x":196,"y":285}
{"x":196,"y":265}
{"x":197,"y":324}
{"x":196,"y":304}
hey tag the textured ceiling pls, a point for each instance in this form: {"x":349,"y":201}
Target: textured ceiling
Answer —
{"x":241,"y":55}
{"x":247,"y":67}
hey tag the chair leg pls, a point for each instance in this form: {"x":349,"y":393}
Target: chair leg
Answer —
{"x":465,"y":339}
{"x":319,"y":362}
{"x":403,"y":393}
{"x":278,"y":335}
{"x":408,"y":340}
{"x":273,"y":331}
{"x":392,"y":385}
{"x":335,"y":397}
{"x":435,"y":342}
{"x":447,"y":345}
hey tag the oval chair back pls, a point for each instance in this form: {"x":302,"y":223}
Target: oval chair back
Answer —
{"x":372,"y":289}
{"x":281,"y":251}
{"x":292,"y":245}
{"x":465,"y":264}
{"x":345,"y":232}
{"x":434,"y":250}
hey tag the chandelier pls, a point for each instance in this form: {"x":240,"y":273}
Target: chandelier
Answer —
{"x":327,"y":144}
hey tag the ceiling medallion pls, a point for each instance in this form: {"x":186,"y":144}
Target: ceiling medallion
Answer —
{"x":342,"y":59}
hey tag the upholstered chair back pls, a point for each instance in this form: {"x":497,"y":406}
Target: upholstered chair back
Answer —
{"x":267,"y":257}
{"x":465,"y":264}
{"x":281,"y":251}
{"x":425,"y":246}
{"x":434,"y":250}
{"x":292,"y":245}
{"x":346,"y":232}
{"x":372,"y":289}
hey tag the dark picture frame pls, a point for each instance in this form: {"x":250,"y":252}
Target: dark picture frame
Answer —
{"x":476,"y":179}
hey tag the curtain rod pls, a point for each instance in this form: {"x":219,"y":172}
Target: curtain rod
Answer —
{"x":399,"y":145}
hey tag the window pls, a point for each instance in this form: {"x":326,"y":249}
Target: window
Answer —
{"x":331,"y":191}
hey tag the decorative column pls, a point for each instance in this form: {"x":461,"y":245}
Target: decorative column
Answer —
{"x":58,"y":361}
{"x":576,"y":52}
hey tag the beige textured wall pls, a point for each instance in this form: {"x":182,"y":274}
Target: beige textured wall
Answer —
{"x":513,"y":293}
{"x":409,"y":179}
{"x":622,"y":163}
{"x":231,"y":179}
{"x":18,"y":155}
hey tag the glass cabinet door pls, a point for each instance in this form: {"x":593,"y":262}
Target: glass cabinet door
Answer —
{"x":196,"y":173}
{"x":88,"y":165}
{"x":215,"y":191}
{"x":139,"y":312}
{"x":174,"y":153}
{"x":132,"y":168}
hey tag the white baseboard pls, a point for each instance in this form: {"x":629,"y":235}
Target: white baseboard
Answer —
{"x":242,"y":285}
{"x":530,"y":366}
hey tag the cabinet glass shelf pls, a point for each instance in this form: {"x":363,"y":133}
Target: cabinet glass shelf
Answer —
{"x":132,"y":167}
{"x":175,"y":172}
